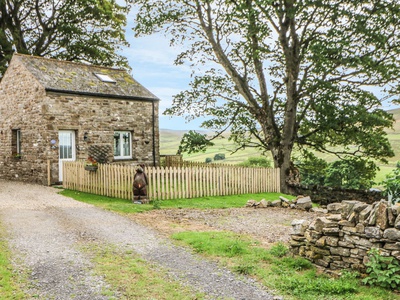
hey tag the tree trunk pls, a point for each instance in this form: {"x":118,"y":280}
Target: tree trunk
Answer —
{"x":282,"y":161}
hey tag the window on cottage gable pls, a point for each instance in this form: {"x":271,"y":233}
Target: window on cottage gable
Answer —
{"x":122,"y":145}
{"x":104,"y":78}
{"x":16,"y":142}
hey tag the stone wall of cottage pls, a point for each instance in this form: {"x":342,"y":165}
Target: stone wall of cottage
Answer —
{"x":21,"y":108}
{"x":39,"y":115}
{"x":99,"y":118}
{"x":342,"y":238}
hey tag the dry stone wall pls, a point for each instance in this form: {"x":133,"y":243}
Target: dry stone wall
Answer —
{"x":342,"y":238}
{"x":324,"y":195}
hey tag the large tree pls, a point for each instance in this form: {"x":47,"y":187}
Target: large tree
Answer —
{"x":75,"y":30}
{"x":286,"y":73}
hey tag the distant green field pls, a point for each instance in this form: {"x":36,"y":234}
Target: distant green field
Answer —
{"x":170,"y":139}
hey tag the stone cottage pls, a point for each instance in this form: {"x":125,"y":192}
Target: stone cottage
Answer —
{"x":53,"y":111}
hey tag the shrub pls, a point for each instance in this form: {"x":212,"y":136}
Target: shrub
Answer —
{"x":260,"y":161}
{"x":219,"y":156}
{"x":392,"y":185}
{"x":208,"y":160}
{"x":382,"y":271}
{"x":279,"y":249}
{"x":312,"y":169}
{"x":353,"y":173}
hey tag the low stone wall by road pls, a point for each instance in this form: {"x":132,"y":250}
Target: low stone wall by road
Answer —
{"x":342,"y":238}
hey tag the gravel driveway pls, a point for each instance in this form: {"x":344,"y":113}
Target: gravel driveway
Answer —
{"x":44,"y":229}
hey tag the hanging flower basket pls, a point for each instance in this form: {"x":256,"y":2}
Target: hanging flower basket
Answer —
{"x":91,"y":164}
{"x":91,"y":168}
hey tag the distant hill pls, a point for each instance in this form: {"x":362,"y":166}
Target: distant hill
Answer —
{"x":170,"y":139}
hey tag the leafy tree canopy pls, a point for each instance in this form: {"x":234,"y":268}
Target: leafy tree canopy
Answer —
{"x":286,"y":73}
{"x":350,"y":172}
{"x":193,"y":142}
{"x":76,"y":30}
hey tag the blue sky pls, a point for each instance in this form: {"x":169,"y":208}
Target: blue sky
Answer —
{"x":152,"y":61}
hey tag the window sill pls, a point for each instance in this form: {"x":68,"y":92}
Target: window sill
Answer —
{"x":123,"y":158}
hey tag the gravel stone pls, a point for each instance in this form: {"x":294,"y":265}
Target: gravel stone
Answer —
{"x":44,"y":228}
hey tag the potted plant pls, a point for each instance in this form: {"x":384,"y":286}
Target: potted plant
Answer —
{"x":91,"y":164}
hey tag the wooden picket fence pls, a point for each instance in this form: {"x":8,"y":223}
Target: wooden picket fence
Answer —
{"x":171,"y":182}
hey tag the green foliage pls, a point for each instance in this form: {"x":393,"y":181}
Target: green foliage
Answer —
{"x":312,"y":169}
{"x":219,"y":156}
{"x":281,"y":74}
{"x":382,"y":271}
{"x":156,"y":203}
{"x":257,"y":162}
{"x":354,"y":173}
{"x":80,"y":30}
{"x":392,"y":185}
{"x":312,"y":285}
{"x":193,"y":141}
{"x":279,"y":249}
{"x":208,"y":160}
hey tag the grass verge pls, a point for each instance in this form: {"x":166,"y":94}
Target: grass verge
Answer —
{"x":126,"y":206}
{"x":133,"y":277}
{"x":10,"y":283}
{"x":108,"y":203}
{"x":293,"y":277}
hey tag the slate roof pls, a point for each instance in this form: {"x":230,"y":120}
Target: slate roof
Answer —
{"x":78,"y":78}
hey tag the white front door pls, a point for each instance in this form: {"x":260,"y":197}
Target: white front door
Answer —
{"x":66,"y":146}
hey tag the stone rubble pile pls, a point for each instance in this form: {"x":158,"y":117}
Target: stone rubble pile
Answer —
{"x":342,"y":238}
{"x":301,"y":203}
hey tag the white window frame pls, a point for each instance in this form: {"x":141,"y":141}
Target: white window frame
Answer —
{"x":16,"y":150}
{"x":121,"y":133}
{"x":105,"y":78}
{"x":19,"y":141}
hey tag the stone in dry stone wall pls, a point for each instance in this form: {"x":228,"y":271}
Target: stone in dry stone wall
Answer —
{"x":342,"y":238}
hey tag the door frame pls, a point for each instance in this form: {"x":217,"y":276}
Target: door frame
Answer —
{"x":72,"y":137}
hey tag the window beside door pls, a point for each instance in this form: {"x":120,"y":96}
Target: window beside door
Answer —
{"x":122,"y":145}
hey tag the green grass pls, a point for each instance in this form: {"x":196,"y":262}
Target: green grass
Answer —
{"x":108,"y":203}
{"x":220,"y":201}
{"x":170,"y":139}
{"x":293,"y":277}
{"x":133,"y":277}
{"x":10,"y":283}
{"x":126,"y":206}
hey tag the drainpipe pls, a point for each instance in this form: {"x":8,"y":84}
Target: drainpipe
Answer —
{"x":154,"y":137}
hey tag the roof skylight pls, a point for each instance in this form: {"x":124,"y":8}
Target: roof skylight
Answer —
{"x":105,"y":78}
